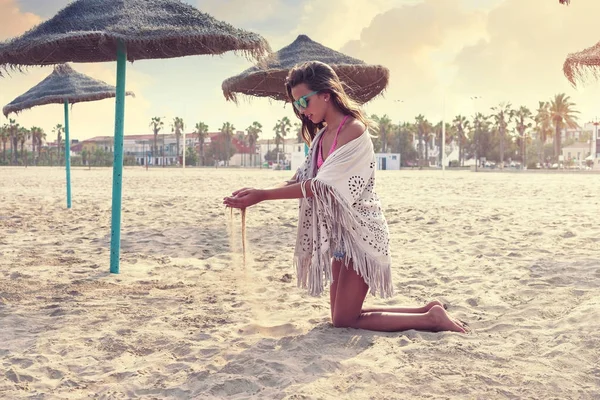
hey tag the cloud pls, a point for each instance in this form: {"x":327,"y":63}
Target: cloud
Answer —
{"x":332,"y":23}
{"x":417,"y":42}
{"x":242,"y":11}
{"x":13,"y":21}
{"x":510,"y":50}
{"x":526,"y":47}
{"x":521,"y":58}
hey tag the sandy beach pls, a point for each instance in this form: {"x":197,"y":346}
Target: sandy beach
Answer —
{"x":516,"y":256}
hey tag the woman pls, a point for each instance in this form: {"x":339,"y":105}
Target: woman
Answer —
{"x":342,"y":233}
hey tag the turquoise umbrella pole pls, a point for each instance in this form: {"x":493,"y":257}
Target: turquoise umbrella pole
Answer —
{"x":115,"y":233}
{"x":68,"y":153}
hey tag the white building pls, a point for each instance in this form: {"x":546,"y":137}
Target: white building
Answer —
{"x":387,"y":161}
{"x":266,"y":145}
{"x":587,"y":130}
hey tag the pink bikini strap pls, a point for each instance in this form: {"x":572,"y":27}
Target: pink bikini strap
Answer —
{"x":334,"y":144}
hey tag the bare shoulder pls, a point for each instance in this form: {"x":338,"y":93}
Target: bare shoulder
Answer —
{"x":351,"y":130}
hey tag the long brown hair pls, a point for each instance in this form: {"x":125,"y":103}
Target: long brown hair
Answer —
{"x":322,"y":78}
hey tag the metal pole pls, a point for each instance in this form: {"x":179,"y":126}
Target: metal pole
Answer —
{"x":68,"y":153}
{"x":184,"y":147}
{"x":115,"y":233}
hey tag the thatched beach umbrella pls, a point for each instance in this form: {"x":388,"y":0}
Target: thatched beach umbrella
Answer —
{"x":266,"y":79}
{"x":63,"y":86}
{"x":579,"y":65}
{"x":109,"y":30}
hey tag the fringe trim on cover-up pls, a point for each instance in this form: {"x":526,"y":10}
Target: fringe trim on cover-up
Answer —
{"x":343,"y":230}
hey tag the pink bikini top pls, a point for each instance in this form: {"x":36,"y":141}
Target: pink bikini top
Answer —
{"x":320,"y":160}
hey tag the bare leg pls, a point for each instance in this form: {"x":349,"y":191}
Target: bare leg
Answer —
{"x":406,"y":310}
{"x":336,"y":266}
{"x":335,"y":274}
{"x":350,"y":292}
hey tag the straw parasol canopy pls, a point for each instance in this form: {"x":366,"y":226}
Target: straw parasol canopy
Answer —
{"x":266,"y":79}
{"x":579,"y":66}
{"x":89,"y":31}
{"x":64,"y":83}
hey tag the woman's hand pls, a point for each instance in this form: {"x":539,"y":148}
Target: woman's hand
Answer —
{"x":244,"y":198}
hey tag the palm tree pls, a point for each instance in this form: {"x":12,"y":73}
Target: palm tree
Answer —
{"x":58,"y":130}
{"x":4,"y":136}
{"x":282,"y":128}
{"x":177,"y":128}
{"x":41,"y":138}
{"x":503,"y":115}
{"x":13,"y":131}
{"x":36,"y":140}
{"x":33,"y":135}
{"x":522,"y":115}
{"x":561,"y":115}
{"x":156,"y":124}
{"x":276,"y":129}
{"x":227,"y":130}
{"x":461,"y":124}
{"x":543,"y":126}
{"x":298,"y":129}
{"x":437,"y":138}
{"x":99,"y":156}
{"x":201,"y":132}
{"x":241,"y":138}
{"x":402,"y":141}
{"x":384,"y":124}
{"x":23,"y":135}
{"x":423,"y":129}
{"x":253,"y":131}
{"x":480,"y":125}
{"x":430,"y":133}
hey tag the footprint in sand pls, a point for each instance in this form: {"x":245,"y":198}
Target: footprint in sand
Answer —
{"x":54,"y":373}
{"x":473,"y":302}
{"x":17,"y":377}
{"x":235,"y":386}
{"x":270,"y":331}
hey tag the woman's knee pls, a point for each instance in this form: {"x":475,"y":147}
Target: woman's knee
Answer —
{"x":343,"y":321}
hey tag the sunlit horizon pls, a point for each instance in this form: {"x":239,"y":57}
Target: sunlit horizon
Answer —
{"x":440,"y":55}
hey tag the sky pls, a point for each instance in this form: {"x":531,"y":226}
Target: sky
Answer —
{"x":440,"y":53}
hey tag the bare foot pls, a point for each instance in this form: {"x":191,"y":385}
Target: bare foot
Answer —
{"x":430,"y":305}
{"x":442,"y":322}
{"x":462,"y":324}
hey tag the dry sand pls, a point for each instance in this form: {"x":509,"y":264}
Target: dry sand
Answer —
{"x":517,"y":256}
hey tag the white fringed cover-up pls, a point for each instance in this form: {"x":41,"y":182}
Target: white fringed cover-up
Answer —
{"x":343,"y":216}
